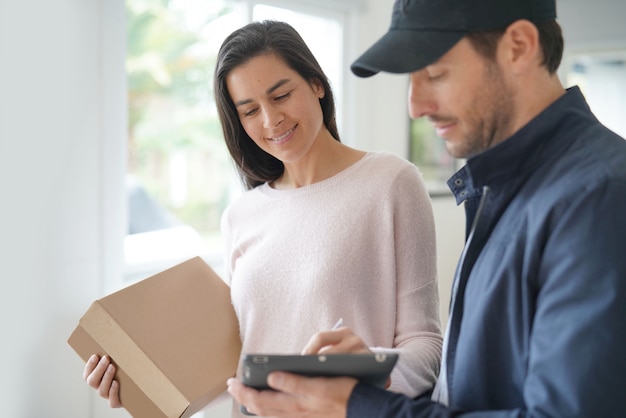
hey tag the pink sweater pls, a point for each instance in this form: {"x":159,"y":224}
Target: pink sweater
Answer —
{"x":358,"y":246}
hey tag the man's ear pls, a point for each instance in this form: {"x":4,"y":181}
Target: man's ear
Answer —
{"x":520,"y":47}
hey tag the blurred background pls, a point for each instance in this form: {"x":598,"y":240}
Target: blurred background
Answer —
{"x":112,"y":165}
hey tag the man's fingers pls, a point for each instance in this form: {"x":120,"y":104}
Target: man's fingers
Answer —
{"x":296,"y":385}
{"x":286,"y":382}
{"x":311,"y":396}
{"x":263,"y":402}
{"x":296,"y":396}
{"x":243,"y":395}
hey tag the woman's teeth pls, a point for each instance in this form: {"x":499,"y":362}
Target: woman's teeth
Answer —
{"x":283,"y":136}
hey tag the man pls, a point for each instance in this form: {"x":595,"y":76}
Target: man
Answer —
{"x":539,"y":298}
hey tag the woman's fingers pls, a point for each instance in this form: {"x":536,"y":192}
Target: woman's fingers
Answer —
{"x":91,"y":364}
{"x":94,"y":370}
{"x":342,"y":340}
{"x":114,"y":395}
{"x":104,"y":389}
{"x":99,"y":373}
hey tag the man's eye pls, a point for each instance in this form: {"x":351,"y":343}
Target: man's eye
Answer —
{"x":436,"y":75}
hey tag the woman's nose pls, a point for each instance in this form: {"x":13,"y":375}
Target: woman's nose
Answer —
{"x":272,"y":117}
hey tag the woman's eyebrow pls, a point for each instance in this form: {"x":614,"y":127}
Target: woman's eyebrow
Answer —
{"x":277,"y":85}
{"x":269,"y":91}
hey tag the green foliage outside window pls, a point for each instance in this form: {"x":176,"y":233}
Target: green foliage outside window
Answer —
{"x":175,"y":143}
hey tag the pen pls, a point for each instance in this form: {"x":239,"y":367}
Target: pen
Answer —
{"x":337,"y":324}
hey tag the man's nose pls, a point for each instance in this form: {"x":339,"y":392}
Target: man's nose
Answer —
{"x":421,"y":102}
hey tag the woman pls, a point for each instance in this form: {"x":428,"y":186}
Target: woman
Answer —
{"x":323,"y":231}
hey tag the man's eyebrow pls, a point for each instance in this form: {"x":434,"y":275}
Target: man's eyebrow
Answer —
{"x":269,"y":91}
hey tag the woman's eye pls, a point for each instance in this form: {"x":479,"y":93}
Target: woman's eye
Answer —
{"x":283,"y":96}
{"x":250,"y":112}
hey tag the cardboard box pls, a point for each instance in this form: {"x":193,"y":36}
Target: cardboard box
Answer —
{"x":174,"y":338}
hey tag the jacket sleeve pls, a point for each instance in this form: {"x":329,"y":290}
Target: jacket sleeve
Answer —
{"x":576,"y":362}
{"x":371,"y":402}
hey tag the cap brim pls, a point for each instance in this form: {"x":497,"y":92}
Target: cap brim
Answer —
{"x":404,"y":51}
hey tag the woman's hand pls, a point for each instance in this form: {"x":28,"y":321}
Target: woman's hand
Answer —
{"x":99,"y":374}
{"x":341,"y":340}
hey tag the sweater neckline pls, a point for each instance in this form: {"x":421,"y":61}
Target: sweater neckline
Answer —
{"x":269,"y":191}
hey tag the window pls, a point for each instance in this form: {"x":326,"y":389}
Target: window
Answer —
{"x":179,"y":174}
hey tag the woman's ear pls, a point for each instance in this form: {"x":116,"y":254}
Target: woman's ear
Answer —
{"x":318,"y":88}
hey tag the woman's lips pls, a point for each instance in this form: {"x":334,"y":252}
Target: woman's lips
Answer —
{"x":283,"y":136}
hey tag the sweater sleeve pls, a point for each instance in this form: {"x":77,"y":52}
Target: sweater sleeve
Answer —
{"x":417,"y":330}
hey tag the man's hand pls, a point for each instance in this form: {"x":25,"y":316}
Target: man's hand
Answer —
{"x":305,"y":397}
{"x":296,"y":396}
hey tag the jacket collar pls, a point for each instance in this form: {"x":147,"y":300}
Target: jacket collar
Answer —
{"x":517,"y":156}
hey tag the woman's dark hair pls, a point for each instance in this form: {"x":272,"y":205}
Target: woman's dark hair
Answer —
{"x":255,"y":166}
{"x":550,"y":39}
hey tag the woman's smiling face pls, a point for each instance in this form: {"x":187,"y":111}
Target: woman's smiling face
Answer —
{"x":278,"y":109}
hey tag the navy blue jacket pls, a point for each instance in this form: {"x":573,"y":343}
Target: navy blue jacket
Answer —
{"x":537,"y":319}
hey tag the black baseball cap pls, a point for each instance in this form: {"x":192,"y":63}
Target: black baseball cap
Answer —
{"x":422,"y":31}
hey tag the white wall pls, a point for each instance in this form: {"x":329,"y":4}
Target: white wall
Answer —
{"x":61,"y":177}
{"x":592,"y":24}
{"x":58,"y":214}
{"x":378,"y":112}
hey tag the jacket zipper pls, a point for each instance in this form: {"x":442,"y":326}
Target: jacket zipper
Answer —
{"x":443,"y":393}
